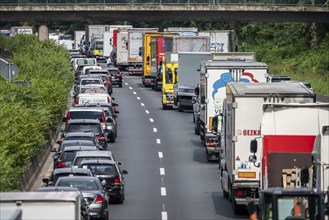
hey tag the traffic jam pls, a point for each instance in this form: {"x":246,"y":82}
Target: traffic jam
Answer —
{"x":83,"y":159}
{"x":239,"y":112}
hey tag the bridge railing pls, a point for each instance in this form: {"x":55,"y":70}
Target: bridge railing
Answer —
{"x":315,"y":3}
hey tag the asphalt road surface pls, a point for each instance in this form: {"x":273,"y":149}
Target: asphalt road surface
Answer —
{"x":169,"y":176}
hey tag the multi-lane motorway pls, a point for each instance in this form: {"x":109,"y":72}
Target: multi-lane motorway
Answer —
{"x":169,"y":176}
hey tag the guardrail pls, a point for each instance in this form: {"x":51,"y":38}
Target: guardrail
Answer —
{"x":297,"y":3}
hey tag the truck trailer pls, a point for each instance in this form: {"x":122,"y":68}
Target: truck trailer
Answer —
{"x":214,"y":75}
{"x":188,"y":77}
{"x":220,"y":40}
{"x":241,"y":120}
{"x":43,"y":205}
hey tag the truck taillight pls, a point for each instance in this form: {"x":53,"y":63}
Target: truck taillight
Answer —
{"x":99,"y":199}
{"x":240,"y":193}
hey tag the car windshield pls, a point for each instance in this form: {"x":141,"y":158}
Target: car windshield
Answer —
{"x":113,"y":72}
{"x":86,"y":115}
{"x":57,"y":176}
{"x":96,"y":128}
{"x":78,"y":160}
{"x":82,"y":185}
{"x":100,"y":169}
{"x":68,"y":156}
{"x":90,"y":81}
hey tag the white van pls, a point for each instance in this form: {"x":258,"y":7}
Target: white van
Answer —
{"x":101,"y":98}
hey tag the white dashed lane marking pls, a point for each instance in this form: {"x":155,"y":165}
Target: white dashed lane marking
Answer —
{"x":164,"y":216}
{"x":163,"y":191}
{"x":147,"y":112}
{"x":155,"y":130}
{"x":126,"y":84}
{"x":138,"y":98}
{"x":130,"y":88}
{"x":134,"y":93}
{"x":158,"y":141}
{"x":160,"y":155}
{"x":151,"y":120}
{"x":162,"y":171}
{"x":142,"y":104}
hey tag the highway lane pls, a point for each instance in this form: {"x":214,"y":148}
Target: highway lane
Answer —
{"x":168,"y":173}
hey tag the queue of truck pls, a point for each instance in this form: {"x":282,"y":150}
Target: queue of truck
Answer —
{"x":270,"y":137}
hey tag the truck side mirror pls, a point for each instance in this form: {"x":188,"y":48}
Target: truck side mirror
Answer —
{"x":253,"y":146}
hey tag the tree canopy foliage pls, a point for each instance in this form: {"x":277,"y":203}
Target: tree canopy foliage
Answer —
{"x":28,"y":113}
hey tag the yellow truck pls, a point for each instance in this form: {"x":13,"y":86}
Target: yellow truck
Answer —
{"x":149,"y":42}
{"x":169,"y":78}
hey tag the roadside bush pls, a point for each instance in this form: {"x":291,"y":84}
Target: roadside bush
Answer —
{"x":28,"y":113}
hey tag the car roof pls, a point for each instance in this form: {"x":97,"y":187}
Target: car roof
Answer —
{"x":78,"y":142}
{"x":58,"y":188}
{"x":89,"y":105}
{"x":80,"y":148}
{"x":100,"y":162}
{"x":71,"y":170}
{"x":94,"y":153}
{"x":84,"y":178}
{"x":84,"y":108}
{"x":81,"y":134}
{"x":82,"y":121}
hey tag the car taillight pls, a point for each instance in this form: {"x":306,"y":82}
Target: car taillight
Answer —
{"x":119,"y":75}
{"x":103,"y":117}
{"x":108,"y":100}
{"x":99,"y":199}
{"x":68,"y":117}
{"x":101,"y":138}
{"x":77,"y":102}
{"x":117,"y":181}
{"x":61,"y":164}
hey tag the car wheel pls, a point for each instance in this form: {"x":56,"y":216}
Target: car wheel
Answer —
{"x":180,"y":107}
{"x":120,"y":200}
{"x":112,"y":140}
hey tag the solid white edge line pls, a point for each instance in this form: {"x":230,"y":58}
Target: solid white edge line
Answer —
{"x":155,"y":130}
{"x":158,"y":141}
{"x":163,"y":191}
{"x":162,"y":171}
{"x":160,"y":154}
{"x":151,"y":120}
{"x":164,"y":216}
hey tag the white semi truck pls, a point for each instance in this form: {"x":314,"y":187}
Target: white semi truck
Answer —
{"x":294,"y":139}
{"x":240,"y":121}
{"x":214,"y":75}
{"x":42,"y":205}
{"x":220,"y":40}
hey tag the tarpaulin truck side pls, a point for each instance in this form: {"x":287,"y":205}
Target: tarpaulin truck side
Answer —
{"x":43,"y":205}
{"x":287,"y":143}
{"x":214,"y":75}
{"x":242,"y":114}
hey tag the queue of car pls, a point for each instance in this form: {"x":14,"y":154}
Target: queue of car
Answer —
{"x":83,"y":161}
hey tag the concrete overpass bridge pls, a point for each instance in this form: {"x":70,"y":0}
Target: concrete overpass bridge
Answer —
{"x":104,"y":11}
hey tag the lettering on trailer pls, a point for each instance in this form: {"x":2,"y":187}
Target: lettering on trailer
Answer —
{"x":248,"y":132}
{"x":221,"y":83}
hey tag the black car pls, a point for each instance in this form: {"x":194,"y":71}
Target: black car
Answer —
{"x":69,"y":171}
{"x":110,"y":175}
{"x":91,"y":125}
{"x":68,"y":143}
{"x":116,"y":76}
{"x":84,"y":208}
{"x":85,"y":135}
{"x":65,"y":157}
{"x":92,"y":191}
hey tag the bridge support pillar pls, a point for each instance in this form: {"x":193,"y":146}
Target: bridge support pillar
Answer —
{"x":43,"y":32}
